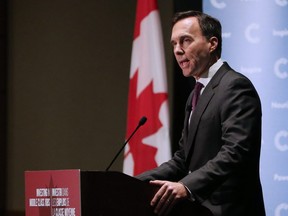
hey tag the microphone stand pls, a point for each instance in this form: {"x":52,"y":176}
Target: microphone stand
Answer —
{"x":141,"y":122}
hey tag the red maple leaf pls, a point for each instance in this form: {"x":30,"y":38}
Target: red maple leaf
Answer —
{"x":146,"y":104}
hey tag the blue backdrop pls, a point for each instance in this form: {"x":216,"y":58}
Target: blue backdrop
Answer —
{"x":255,"y":43}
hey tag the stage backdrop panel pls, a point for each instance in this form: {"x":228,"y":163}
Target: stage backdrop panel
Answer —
{"x":255,"y":42}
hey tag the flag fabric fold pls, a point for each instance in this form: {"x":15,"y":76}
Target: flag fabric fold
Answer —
{"x":148,"y":95}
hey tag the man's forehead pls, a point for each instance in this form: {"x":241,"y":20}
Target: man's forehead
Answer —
{"x":186,"y":22}
{"x":184,"y":27}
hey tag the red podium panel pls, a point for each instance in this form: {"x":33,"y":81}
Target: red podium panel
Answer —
{"x":86,"y":193}
{"x":50,"y":193}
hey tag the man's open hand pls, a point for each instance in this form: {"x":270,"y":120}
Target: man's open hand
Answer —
{"x":167,"y":196}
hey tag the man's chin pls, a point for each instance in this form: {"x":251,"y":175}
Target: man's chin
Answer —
{"x":186,"y":73}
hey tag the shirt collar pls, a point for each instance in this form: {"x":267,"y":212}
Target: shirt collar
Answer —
{"x":207,"y":76}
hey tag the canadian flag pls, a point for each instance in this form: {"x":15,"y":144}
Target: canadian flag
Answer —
{"x":150,"y":146}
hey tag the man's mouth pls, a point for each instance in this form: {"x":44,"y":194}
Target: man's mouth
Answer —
{"x":184,"y":63}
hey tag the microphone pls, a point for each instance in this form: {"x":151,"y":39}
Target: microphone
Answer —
{"x":141,"y":122}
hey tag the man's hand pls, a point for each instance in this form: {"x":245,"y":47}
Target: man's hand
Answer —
{"x":167,"y":196}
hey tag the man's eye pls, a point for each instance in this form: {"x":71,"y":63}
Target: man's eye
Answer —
{"x":187,"y":40}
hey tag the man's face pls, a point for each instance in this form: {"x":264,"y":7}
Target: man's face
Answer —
{"x":191,"y":49}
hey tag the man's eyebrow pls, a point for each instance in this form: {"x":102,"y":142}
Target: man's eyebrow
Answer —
{"x":185,"y":36}
{"x":181,"y":37}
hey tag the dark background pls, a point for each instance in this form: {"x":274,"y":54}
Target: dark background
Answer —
{"x":64,"y":76}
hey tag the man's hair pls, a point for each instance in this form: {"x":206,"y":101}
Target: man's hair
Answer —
{"x":209,"y":26}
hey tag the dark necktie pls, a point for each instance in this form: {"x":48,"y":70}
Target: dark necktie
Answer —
{"x":197,"y":89}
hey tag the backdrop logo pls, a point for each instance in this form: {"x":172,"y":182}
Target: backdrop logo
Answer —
{"x":280,"y":178}
{"x":251,"y":70}
{"x":278,"y":105}
{"x":280,"y":139}
{"x":281,"y":3}
{"x":277,"y":68}
{"x":226,"y":35}
{"x":249,"y":33}
{"x":280,"y":208}
{"x":280,"y":33}
{"x":218,"y":4}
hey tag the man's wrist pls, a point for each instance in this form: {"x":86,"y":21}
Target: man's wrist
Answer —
{"x":190,"y":196}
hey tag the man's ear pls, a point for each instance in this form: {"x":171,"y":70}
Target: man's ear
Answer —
{"x":213,"y":43}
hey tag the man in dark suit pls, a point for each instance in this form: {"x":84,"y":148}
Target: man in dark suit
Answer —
{"x":217,"y":164}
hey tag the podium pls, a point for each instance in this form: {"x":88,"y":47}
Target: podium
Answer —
{"x":93,"y":193}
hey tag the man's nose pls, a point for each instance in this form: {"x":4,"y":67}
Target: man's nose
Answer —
{"x":178,"y":50}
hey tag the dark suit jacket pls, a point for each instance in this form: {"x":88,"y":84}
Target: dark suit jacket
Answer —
{"x":218,"y":156}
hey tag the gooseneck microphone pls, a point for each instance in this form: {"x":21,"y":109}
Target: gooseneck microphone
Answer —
{"x":141,"y":122}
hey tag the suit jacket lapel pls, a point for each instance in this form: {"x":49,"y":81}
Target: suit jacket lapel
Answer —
{"x":203,"y":102}
{"x":195,"y":118}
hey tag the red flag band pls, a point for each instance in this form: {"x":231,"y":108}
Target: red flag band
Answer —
{"x":147,"y":94}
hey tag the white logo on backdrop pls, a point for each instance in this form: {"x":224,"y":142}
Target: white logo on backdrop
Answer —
{"x":250,"y":70}
{"x":280,"y":74}
{"x":281,"y":3}
{"x":280,"y":33}
{"x":281,"y":207}
{"x":226,"y":34}
{"x":219,"y":5}
{"x":277,"y":105}
{"x":279,"y":140}
{"x":248,"y":33}
{"x":280,"y":178}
